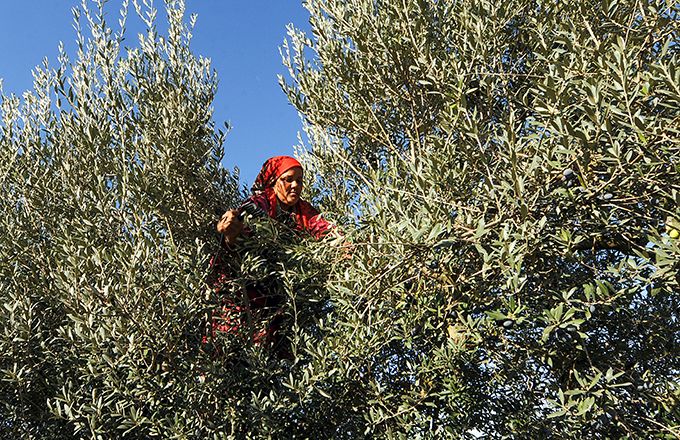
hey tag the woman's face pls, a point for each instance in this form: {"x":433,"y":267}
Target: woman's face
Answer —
{"x":289,"y":186}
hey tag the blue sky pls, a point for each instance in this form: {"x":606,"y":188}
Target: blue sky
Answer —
{"x":241,"y":37}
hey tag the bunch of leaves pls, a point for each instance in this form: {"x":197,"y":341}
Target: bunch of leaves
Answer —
{"x":508,"y":174}
{"x":273,"y":382}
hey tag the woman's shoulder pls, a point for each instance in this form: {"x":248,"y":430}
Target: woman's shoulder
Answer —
{"x":260,"y":200}
{"x":307,"y":208}
{"x":314,"y":222}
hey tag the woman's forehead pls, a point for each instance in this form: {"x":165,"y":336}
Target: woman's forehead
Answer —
{"x":295,"y":171}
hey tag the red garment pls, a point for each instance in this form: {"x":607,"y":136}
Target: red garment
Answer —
{"x":272,"y":168}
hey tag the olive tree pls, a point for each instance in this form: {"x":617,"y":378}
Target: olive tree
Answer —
{"x":507,"y":176}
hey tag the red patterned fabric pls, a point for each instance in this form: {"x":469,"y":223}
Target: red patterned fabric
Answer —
{"x":272,"y":168}
{"x":307,"y":218}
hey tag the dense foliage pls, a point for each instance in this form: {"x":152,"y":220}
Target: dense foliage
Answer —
{"x":512,"y":169}
{"x":506,"y":177}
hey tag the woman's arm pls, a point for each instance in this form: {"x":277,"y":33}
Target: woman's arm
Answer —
{"x":230,"y":226}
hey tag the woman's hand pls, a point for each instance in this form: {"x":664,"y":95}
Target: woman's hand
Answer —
{"x":230,"y":226}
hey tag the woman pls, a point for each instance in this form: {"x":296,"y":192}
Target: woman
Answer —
{"x":276,"y":193}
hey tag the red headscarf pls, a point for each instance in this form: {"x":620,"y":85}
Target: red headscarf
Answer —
{"x":266,"y":179}
{"x":272,"y":169}
{"x":306,"y":217}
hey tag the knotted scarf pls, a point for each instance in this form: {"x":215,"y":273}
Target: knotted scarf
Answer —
{"x":271,"y":170}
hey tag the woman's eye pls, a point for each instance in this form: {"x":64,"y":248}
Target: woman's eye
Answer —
{"x":291,"y":180}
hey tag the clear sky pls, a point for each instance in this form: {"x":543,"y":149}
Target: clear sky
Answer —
{"x":242,"y":37}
